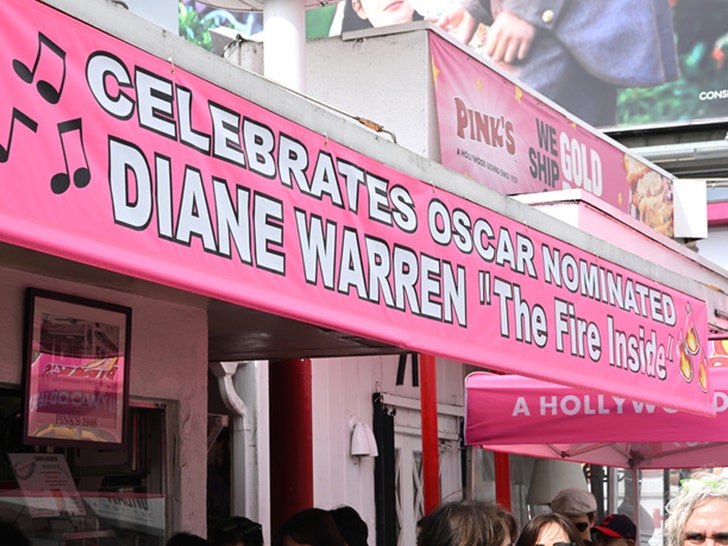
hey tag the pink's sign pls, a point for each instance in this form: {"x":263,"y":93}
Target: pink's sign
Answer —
{"x":120,"y":159}
{"x":80,"y":397}
{"x":503,"y":137}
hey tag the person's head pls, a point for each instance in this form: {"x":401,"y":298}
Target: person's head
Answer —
{"x":698,"y":516}
{"x":580,"y":506}
{"x":350,"y":525}
{"x":12,"y":535}
{"x":615,"y":530}
{"x":467,"y":523}
{"x":381,"y":13}
{"x":550,"y":530}
{"x":186,"y":539}
{"x":311,"y":526}
{"x":237,"y":531}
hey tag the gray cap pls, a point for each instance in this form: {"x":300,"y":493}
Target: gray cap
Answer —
{"x":573,"y":501}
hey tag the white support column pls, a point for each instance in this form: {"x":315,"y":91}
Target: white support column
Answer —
{"x":244,"y":390}
{"x":284,"y":42}
{"x":239,"y":433}
{"x":251,"y":381}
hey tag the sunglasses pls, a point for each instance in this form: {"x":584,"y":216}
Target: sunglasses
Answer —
{"x":699,"y":484}
{"x":581,"y":526}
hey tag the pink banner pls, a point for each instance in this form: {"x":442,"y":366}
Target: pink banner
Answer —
{"x":537,"y":418}
{"x":123,"y":160}
{"x":517,"y":410}
{"x":504,"y":137}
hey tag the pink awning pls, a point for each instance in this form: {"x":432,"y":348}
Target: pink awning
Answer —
{"x":524,"y":416}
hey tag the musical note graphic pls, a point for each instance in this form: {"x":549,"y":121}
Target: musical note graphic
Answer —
{"x":74,"y":154}
{"x":25,"y":120}
{"x":53,"y":69}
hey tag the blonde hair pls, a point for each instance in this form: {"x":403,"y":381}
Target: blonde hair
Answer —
{"x":695,"y":490}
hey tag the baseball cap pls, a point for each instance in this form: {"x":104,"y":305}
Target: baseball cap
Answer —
{"x":617,"y":525}
{"x":573,"y":501}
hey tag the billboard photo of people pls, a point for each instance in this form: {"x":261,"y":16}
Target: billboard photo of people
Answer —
{"x":615,"y":64}
{"x":701,"y":91}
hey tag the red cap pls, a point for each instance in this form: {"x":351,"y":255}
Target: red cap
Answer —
{"x":617,"y":525}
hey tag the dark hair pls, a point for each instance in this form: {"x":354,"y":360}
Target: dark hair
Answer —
{"x":186,"y":539}
{"x":530,"y":532}
{"x":236,"y":530}
{"x":352,"y":527}
{"x":312,"y":526}
{"x":467,"y":523}
{"x":12,"y":535}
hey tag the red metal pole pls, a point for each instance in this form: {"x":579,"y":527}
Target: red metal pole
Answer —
{"x":291,"y":439}
{"x":502,"y":479}
{"x":430,"y":443}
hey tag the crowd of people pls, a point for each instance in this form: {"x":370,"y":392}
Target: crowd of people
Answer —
{"x":698,"y":516}
{"x":342,"y":526}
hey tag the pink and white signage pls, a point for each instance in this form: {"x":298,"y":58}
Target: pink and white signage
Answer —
{"x":76,"y":398}
{"x":509,"y":409}
{"x":541,"y":419}
{"x":76,"y":371}
{"x":506,"y":138}
{"x":120,"y":159}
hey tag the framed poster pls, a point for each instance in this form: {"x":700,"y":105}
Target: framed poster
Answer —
{"x":76,"y":371}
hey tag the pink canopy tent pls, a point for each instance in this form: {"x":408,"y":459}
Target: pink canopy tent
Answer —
{"x":524,"y":416}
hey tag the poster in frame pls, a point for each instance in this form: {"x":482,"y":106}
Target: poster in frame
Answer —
{"x":76,"y":371}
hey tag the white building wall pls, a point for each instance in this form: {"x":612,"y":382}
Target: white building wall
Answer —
{"x":396,"y":94}
{"x":160,"y":12}
{"x":168,"y":364}
{"x":715,"y":247}
{"x":342,"y":389}
{"x":350,"y":75}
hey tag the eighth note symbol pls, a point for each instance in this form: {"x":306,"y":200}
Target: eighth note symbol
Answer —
{"x":25,"y":120}
{"x":74,"y":154}
{"x":50,"y":70}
